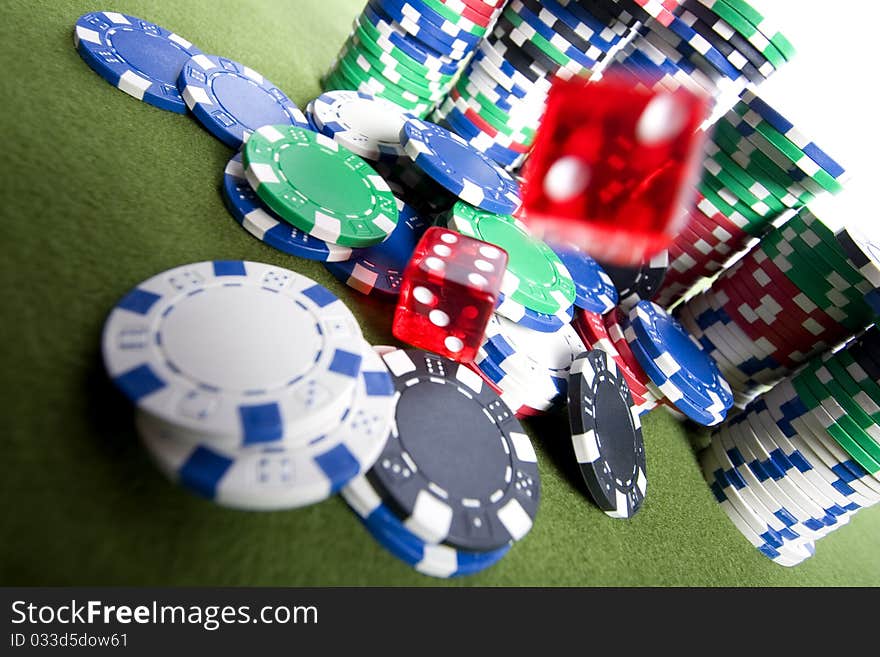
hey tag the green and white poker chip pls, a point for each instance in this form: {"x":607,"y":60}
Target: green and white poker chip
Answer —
{"x":319,"y":186}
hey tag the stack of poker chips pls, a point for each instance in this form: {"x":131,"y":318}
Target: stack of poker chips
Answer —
{"x":802,"y":289}
{"x":498,"y":101}
{"x":713,"y":48}
{"x":417,"y":501}
{"x":411,"y":51}
{"x":240,"y":420}
{"x":803,"y":458}
{"x":757,"y":168}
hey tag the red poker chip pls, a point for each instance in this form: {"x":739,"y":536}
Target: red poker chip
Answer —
{"x":795,"y":316}
{"x":615,"y":332}
{"x":591,"y":329}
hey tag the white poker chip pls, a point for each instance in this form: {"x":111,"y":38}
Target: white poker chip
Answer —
{"x":278,"y":476}
{"x":364,"y":124}
{"x":236,"y":353}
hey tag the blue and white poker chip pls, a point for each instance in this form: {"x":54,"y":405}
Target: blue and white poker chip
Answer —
{"x":232,"y":100}
{"x":425,"y":24}
{"x":402,"y":40}
{"x":708,"y":414}
{"x":237,"y":353}
{"x":434,"y":559}
{"x":282,"y":476}
{"x":380,"y":268}
{"x":675,"y":352}
{"x":389,"y":16}
{"x":139,"y":57}
{"x":460,"y":168}
{"x":365,"y":124}
{"x":594,"y":289}
{"x":261,"y":222}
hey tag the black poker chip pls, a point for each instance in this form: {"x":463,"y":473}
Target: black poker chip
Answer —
{"x":606,"y":434}
{"x":458,"y":467}
{"x":640,"y":283}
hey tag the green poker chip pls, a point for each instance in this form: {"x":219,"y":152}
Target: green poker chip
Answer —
{"x":763,"y":25}
{"x":369,"y":41}
{"x":747,"y":155}
{"x":535,"y":276}
{"x":319,"y":186}
{"x":846,"y":306}
{"x":804,"y":230}
{"x":826,"y":396}
{"x":397,"y":74}
{"x":765,"y":45}
{"x":809,"y":396}
{"x":738,"y":182}
{"x":755,"y":181}
{"x":362,"y":68}
{"x":382,"y":87}
{"x":732,"y":208}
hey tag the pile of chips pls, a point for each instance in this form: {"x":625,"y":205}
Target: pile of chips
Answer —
{"x":498,"y":101}
{"x":803,"y":458}
{"x":757,"y":168}
{"x":277,"y":422}
{"x":710,"y":47}
{"x":411,"y":52}
{"x":801,"y":290}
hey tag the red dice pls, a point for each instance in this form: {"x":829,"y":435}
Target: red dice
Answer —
{"x":612,"y":166}
{"x":449,"y":291}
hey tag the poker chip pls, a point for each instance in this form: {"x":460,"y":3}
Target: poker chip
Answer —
{"x":253,"y":215}
{"x":535,"y":278}
{"x":607,"y":435}
{"x":273,"y":476}
{"x":459,"y":168}
{"x":364,"y":124}
{"x":138,"y":57}
{"x":802,"y":458}
{"x":594,"y":289}
{"x":537,"y":361}
{"x":434,"y":559}
{"x":232,"y":100}
{"x":634,"y":284}
{"x":299,"y":174}
{"x":444,"y":411}
{"x":175,"y":346}
{"x":677,"y":364}
{"x":380,"y":268}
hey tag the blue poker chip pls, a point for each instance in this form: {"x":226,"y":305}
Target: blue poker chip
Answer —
{"x":787,"y":128}
{"x":683,"y":399}
{"x":671,"y":346}
{"x":410,"y":46}
{"x":380,"y":268}
{"x":434,"y":559}
{"x":594,"y":289}
{"x":388,"y":16}
{"x":261,"y":222}
{"x":460,"y":125}
{"x":139,"y":57}
{"x":459,"y":167}
{"x":544,"y":30}
{"x":420,"y":19}
{"x":231,"y":100}
{"x":584,"y":24}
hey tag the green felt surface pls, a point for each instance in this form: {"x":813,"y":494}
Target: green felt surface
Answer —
{"x":101,"y":192}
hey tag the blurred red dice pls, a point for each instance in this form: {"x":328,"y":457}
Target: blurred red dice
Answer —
{"x":449,"y":291}
{"x":612,"y":167}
